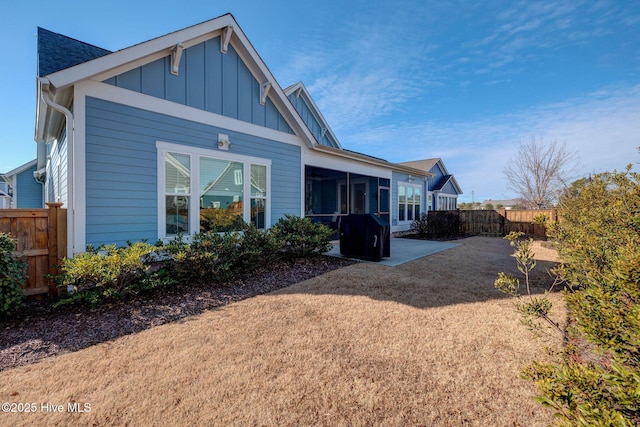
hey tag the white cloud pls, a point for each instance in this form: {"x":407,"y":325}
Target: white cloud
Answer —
{"x":603,"y":128}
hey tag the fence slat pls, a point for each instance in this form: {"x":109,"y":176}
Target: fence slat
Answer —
{"x":41,"y":238}
{"x":500,"y":222}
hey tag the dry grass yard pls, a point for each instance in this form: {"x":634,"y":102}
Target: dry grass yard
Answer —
{"x":430,"y":342}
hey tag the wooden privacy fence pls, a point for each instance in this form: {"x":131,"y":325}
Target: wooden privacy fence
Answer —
{"x":501,"y":222}
{"x":41,"y":238}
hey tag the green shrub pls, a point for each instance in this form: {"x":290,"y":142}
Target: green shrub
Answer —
{"x":12,"y":276}
{"x":107,"y":272}
{"x":221,"y":257}
{"x":301,"y":237}
{"x":258,"y":248}
{"x":598,"y":240}
{"x":211,"y":257}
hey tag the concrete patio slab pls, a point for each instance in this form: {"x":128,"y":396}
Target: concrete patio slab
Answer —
{"x":403,"y":250}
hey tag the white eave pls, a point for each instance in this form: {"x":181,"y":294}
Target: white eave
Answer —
{"x":132,"y":57}
{"x":371,"y":160}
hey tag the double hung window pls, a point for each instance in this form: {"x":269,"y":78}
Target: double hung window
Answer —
{"x":409,"y":199}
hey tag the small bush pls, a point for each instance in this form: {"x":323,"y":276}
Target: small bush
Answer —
{"x":211,"y":257}
{"x":107,"y":272}
{"x":258,"y":248}
{"x":301,"y":237}
{"x":421,"y":225}
{"x":12,"y":276}
{"x":437,"y":224}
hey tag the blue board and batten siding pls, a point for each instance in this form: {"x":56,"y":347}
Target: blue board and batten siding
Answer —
{"x":121,"y":168}
{"x":208,"y":80}
{"x":323,"y":137}
{"x":28,"y":192}
{"x":448,"y":188}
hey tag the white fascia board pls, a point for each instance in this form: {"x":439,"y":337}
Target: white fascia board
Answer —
{"x":146,"y":102}
{"x":21,"y":168}
{"x":187,"y":36}
{"x":327,"y":161}
{"x":440,"y":163}
{"x":313,"y":107}
{"x":250,"y":57}
{"x":455,"y":185}
{"x":355,"y":157}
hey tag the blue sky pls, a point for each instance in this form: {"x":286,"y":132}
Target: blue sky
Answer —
{"x":403,"y":80}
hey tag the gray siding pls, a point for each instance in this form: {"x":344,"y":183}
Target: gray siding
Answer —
{"x":208,"y":80}
{"x":121,"y":168}
{"x":312,"y":123}
{"x":28,"y":192}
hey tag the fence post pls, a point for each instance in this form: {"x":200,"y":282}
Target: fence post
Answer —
{"x":52,"y":231}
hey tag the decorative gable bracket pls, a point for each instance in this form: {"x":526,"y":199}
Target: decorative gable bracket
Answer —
{"x":225,"y":38}
{"x":176,"y":55}
{"x":264,"y":91}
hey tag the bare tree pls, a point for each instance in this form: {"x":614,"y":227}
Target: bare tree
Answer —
{"x":539,"y":172}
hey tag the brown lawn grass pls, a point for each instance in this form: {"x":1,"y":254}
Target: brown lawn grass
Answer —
{"x":428,"y":343}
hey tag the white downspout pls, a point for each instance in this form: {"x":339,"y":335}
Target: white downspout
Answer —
{"x":46,"y":97}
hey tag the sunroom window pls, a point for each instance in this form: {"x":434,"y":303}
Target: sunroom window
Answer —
{"x":205,"y":190}
{"x":221,"y":195}
{"x":409,"y":200}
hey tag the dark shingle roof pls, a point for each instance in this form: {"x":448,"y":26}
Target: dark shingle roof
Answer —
{"x":443,"y":181}
{"x":57,"y":52}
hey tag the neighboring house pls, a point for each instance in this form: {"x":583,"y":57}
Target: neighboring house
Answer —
{"x":443,"y":187}
{"x":27,"y":192}
{"x":189,"y":129}
{"x":502,"y":204}
{"x":5,"y":194}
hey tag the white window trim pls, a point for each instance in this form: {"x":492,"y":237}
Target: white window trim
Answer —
{"x":194,"y":205}
{"x":413,"y":185}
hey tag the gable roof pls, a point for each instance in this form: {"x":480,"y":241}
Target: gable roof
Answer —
{"x":57,"y":52}
{"x":428,"y":165}
{"x":300,"y":90}
{"x":59,"y":83}
{"x":20,"y":169}
{"x":57,"y":86}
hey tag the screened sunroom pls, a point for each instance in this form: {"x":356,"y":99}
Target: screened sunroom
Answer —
{"x":332,"y":194}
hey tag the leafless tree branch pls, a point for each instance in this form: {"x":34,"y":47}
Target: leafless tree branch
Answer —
{"x":540,"y":171}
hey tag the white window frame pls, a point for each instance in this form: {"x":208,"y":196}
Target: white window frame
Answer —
{"x":447,"y":202}
{"x":406,"y":211}
{"x":195,"y":154}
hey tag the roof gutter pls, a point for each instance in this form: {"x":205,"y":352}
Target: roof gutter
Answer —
{"x":44,"y":86}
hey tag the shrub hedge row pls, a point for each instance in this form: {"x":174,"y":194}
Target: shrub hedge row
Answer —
{"x":110,"y":272}
{"x":211,"y":257}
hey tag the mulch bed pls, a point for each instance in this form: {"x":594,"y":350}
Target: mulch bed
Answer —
{"x":40,"y":330}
